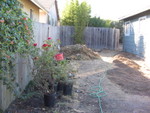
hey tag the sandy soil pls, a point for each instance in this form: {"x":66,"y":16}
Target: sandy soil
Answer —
{"x":126,"y":83}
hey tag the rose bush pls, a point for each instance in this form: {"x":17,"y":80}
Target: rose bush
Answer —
{"x":47,"y":68}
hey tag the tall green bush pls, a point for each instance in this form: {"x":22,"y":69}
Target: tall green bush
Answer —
{"x":77,"y":15}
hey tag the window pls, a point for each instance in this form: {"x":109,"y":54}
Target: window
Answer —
{"x":127,"y":28}
{"x":31,"y":14}
{"x":142,"y":25}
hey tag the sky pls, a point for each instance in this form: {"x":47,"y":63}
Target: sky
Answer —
{"x":111,"y":9}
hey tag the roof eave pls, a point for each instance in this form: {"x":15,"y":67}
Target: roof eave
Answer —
{"x":134,"y":14}
{"x":39,"y":5}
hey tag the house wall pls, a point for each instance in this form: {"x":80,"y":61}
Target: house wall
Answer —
{"x":43,"y":18}
{"x":53,"y":20}
{"x":27,"y":6}
{"x":138,"y":41}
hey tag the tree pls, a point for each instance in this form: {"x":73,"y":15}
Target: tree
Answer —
{"x":77,"y":15}
{"x":97,"y":22}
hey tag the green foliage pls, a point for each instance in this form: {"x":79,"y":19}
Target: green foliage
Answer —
{"x":15,"y":38}
{"x":97,"y":22}
{"x":29,"y":91}
{"x":27,"y":95}
{"x":77,"y":15}
{"x":47,"y":69}
{"x":69,"y":13}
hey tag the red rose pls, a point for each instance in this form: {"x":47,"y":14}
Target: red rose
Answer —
{"x":35,"y":44}
{"x":24,"y":18}
{"x":36,"y":58}
{"x":59,"y":57}
{"x":49,"y":45}
{"x":8,"y":56}
{"x":49,"y":38}
{"x":12,"y":42}
{"x":44,"y":45}
{"x":2,"y":21}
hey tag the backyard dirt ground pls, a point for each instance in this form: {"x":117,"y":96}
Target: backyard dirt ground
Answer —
{"x":126,"y":83}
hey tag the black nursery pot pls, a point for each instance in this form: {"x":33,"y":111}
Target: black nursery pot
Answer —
{"x":49,"y":99}
{"x":55,"y":87}
{"x":67,"y":89}
{"x":60,"y":86}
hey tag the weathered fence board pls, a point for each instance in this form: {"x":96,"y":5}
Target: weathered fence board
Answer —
{"x":23,"y":76}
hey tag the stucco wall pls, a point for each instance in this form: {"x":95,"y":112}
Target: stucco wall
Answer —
{"x":27,"y":5}
{"x":43,"y":18}
{"x":138,"y":42}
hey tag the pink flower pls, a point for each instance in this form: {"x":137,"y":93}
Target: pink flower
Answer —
{"x":49,"y":38}
{"x":7,"y":56}
{"x":35,"y":44}
{"x":44,"y":45}
{"x":2,"y":21}
{"x":12,"y":42}
{"x":24,"y":18}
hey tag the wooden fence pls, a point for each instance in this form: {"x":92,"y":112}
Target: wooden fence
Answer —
{"x":100,"y":38}
{"x":95,"y":38}
{"x":23,"y":76}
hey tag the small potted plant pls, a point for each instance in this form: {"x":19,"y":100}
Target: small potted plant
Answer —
{"x":50,"y":98}
{"x":45,"y":71}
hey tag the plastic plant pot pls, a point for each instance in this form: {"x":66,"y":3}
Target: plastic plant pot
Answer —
{"x":67,"y":90}
{"x":49,"y":99}
{"x":60,"y":86}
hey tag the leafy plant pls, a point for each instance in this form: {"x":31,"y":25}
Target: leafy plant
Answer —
{"x":77,"y":15}
{"x":15,"y":39}
{"x":48,"y":69}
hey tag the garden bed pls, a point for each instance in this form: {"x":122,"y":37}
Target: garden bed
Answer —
{"x":126,"y":86}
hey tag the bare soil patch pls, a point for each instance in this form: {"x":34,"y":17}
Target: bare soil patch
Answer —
{"x":79,"y":52}
{"x":127,"y":74}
